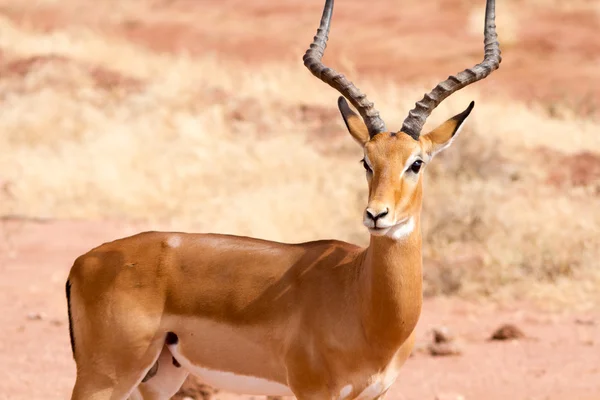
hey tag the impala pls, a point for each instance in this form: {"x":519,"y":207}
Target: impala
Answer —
{"x":317,"y":320}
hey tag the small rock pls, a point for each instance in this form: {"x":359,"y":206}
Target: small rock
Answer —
{"x":585,"y":321}
{"x":444,"y":349}
{"x":507,"y":332}
{"x":36,"y":316}
{"x":442,"y":335}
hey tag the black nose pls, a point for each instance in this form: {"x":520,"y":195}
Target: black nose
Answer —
{"x":374,"y":215}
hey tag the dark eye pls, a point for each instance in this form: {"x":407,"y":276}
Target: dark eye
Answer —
{"x":416,"y":166}
{"x":364,"y":163}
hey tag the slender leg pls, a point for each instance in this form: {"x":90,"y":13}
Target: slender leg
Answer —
{"x":97,"y":385}
{"x":111,"y":363}
{"x":98,"y":381}
{"x":93,"y":387}
{"x":307,"y":377}
{"x":116,"y":339}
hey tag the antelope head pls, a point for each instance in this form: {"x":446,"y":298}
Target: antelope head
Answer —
{"x":394,"y":161}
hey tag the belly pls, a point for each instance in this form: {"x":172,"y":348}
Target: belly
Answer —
{"x":233,"y":359}
{"x":230,"y":381}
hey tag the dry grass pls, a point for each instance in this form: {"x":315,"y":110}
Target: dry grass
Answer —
{"x":98,"y":128}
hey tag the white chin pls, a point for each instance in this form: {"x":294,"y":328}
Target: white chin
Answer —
{"x":400,"y":230}
{"x":379,"y":231}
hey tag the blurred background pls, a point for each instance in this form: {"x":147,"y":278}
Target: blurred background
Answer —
{"x":198,"y":115}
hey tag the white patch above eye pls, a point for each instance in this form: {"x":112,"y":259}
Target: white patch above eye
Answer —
{"x":411,"y":160}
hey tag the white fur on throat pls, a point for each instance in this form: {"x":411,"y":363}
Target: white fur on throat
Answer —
{"x":401,"y":230}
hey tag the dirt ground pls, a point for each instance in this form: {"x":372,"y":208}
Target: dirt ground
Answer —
{"x":550,"y":58}
{"x":557,"y":359}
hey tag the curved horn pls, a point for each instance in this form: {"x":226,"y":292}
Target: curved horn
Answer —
{"x":312,"y":61}
{"x":416,"y":117}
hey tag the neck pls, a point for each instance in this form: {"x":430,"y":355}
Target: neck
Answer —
{"x":392,"y":284}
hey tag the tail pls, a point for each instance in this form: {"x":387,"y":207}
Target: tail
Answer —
{"x":68,"y":291}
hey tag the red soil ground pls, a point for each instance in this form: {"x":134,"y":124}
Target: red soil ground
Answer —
{"x":558,"y":358}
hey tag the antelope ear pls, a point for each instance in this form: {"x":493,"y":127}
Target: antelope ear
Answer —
{"x":356,"y":126}
{"x":443,"y":136}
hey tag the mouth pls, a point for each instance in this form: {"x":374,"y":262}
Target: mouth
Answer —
{"x":378,"y":231}
{"x":383,"y":230}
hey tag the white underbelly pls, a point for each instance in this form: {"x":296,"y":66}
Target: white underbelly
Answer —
{"x":230,"y":382}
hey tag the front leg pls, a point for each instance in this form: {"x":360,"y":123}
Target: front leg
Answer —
{"x":308,"y":375}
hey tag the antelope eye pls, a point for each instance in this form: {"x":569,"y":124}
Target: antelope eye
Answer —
{"x":416,"y":166}
{"x":364,"y":163}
